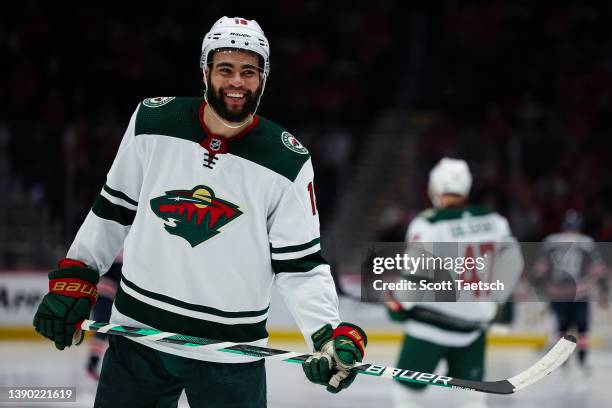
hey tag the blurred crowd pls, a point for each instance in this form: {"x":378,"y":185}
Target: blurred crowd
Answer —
{"x":520,"y":89}
{"x":73,"y":72}
{"x":524,"y":92}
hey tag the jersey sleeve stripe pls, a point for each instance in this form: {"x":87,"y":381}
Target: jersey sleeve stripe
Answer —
{"x":119,"y":194}
{"x":118,"y":201}
{"x":191,"y":306}
{"x":304,"y":264}
{"x":107,"y":210}
{"x":297,"y":254}
{"x":295,"y":248}
{"x":166,"y":320}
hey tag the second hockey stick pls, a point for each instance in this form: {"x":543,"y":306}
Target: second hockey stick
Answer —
{"x":547,"y":364}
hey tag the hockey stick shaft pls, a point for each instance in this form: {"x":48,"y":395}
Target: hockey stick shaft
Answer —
{"x":553,"y":359}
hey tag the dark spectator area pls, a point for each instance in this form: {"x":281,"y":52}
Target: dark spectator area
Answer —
{"x":520,"y":89}
{"x":523,"y":91}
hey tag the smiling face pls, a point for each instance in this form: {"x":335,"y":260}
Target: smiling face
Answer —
{"x":234,"y":84}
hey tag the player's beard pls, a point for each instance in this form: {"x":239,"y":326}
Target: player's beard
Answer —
{"x":215,"y":99}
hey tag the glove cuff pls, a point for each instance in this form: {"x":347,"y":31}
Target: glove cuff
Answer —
{"x":67,"y":263}
{"x":353,"y":332}
{"x":74,"y":279}
{"x":74,"y":288}
{"x":69,"y":268}
{"x":322,"y":336}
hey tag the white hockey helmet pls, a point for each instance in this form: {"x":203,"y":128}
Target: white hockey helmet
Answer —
{"x":449,"y":176}
{"x":237,"y":33}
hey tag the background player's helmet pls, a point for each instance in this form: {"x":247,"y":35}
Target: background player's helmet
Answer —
{"x":572,"y":221}
{"x":237,"y":33}
{"x":449,"y":176}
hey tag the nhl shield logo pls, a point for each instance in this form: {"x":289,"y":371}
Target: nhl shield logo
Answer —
{"x":195,"y":215}
{"x":158,"y":101}
{"x":215,"y":144}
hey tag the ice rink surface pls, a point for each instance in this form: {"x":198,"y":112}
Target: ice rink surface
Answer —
{"x":38,"y":363}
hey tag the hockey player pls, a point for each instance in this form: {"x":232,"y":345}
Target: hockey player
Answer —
{"x":212,"y":204}
{"x":569,"y":266}
{"x":454,"y":332}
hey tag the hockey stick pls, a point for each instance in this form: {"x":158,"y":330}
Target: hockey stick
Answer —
{"x":553,"y":359}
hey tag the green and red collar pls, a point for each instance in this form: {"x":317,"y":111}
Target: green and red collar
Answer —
{"x":216,"y":144}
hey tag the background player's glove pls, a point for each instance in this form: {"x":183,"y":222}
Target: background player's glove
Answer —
{"x":72,"y":293}
{"x":397,"y":314}
{"x":337,"y":351}
{"x":395,"y":310}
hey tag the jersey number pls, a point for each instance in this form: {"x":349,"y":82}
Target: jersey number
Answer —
{"x":486,"y":249}
{"x":312,"y":198}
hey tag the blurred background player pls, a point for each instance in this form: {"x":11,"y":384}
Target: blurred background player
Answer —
{"x":569,"y":266}
{"x":107,"y":289}
{"x":454,"y":332}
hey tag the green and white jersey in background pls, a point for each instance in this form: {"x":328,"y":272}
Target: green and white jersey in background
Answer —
{"x":480,"y":229}
{"x":208,"y":225}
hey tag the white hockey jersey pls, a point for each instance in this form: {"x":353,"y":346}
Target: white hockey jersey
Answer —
{"x":481,"y":230}
{"x":208,"y":225}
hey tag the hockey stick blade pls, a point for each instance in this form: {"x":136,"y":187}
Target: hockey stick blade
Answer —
{"x":547,"y":364}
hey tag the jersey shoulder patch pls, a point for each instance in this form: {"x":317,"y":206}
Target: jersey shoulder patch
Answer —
{"x":273,"y":147}
{"x":158,"y":101}
{"x":292,"y":143}
{"x":170,"y":116}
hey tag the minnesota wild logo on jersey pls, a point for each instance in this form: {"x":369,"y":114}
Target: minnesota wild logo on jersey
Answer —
{"x":158,"y":101}
{"x":195,"y":214}
{"x":292,"y":143}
